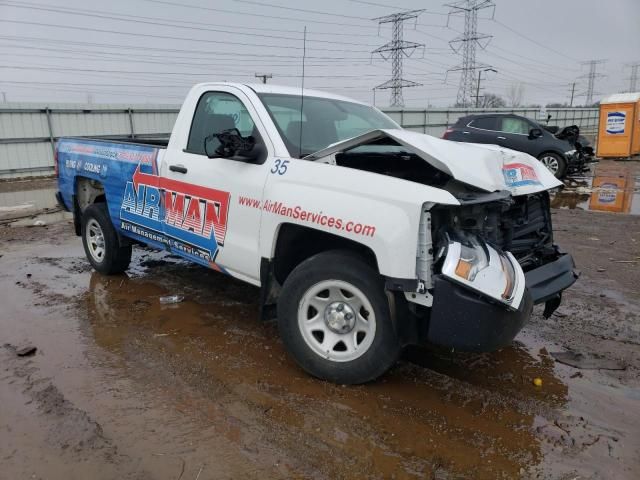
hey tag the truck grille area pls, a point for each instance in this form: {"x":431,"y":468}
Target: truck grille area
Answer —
{"x":520,"y":225}
{"x":526,"y":230}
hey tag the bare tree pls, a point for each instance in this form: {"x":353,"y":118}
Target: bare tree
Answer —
{"x":515,"y":94}
{"x":491,"y":100}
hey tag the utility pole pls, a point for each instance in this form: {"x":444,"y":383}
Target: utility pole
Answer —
{"x":4,"y":97}
{"x":397,"y":49}
{"x":467,"y":42}
{"x":591,"y":79}
{"x":633,"y":78}
{"x":264,"y":76}
{"x":573,"y":90}
{"x":477,"y":95}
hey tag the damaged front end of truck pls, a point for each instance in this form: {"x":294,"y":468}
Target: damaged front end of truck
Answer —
{"x":481,"y":265}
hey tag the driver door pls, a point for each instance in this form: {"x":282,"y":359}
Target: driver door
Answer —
{"x":203,"y":221}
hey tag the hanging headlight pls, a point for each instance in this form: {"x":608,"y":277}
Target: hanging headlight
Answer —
{"x":472,"y":259}
{"x":486,"y":270}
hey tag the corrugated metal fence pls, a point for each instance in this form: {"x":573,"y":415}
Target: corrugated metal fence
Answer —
{"x":28,"y":131}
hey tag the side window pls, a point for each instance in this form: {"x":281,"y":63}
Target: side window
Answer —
{"x":288,"y":120}
{"x":485,"y":123}
{"x":351,"y":125}
{"x":513,"y":125}
{"x":216,"y":112}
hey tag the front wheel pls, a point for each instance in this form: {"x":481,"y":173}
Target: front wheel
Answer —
{"x":334,"y":318}
{"x":555,"y":163}
{"x":100,"y":241}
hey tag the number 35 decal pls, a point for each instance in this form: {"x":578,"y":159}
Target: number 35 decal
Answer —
{"x":280,"y":167}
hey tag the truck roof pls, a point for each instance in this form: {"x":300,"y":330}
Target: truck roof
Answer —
{"x":282,"y":90}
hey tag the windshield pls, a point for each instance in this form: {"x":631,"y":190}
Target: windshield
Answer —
{"x":324,"y":121}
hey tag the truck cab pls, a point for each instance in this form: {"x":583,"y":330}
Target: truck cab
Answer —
{"x":364,"y":237}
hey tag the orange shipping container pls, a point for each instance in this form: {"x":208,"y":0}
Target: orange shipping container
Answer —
{"x":619,"y":127}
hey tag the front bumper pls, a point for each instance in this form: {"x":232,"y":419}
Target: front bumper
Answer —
{"x":577,"y":163}
{"x":466,"y":320}
{"x":547,"y":282}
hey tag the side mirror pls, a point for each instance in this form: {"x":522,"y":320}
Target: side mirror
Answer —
{"x":535,"y":133}
{"x":232,"y":145}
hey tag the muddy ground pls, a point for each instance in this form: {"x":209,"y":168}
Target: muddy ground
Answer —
{"x":121,"y":387}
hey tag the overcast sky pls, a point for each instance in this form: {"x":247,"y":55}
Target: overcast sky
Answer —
{"x":152,"y":51}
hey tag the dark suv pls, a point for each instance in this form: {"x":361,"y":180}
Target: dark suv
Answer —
{"x":558,"y":152}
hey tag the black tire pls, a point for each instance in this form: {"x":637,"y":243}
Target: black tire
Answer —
{"x":549,"y":157}
{"x":346,"y":269}
{"x":114,"y":258}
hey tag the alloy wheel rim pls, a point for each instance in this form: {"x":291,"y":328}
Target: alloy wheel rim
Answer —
{"x":95,"y":240}
{"x":551,"y":163}
{"x":336,"y":320}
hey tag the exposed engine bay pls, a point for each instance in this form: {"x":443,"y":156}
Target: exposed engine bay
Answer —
{"x":520,"y":225}
{"x":393,"y":161}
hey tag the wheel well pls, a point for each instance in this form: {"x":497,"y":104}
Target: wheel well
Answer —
{"x":296,"y":243}
{"x":88,"y":191}
{"x":561,"y":155}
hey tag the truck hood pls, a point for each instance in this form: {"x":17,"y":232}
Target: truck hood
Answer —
{"x":488,"y":167}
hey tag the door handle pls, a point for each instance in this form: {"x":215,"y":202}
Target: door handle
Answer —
{"x":502,"y":138}
{"x":178,"y":168}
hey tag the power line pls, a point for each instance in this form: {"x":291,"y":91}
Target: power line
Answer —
{"x":99,"y":57}
{"x":167,"y":37}
{"x":295,"y":9}
{"x":184,"y":86}
{"x":239,"y":12}
{"x":467,"y":42}
{"x":164,"y":72}
{"x":121,"y":47}
{"x":170,"y":23}
{"x":533,"y":40}
{"x":375,"y":4}
{"x":397,"y":49}
{"x":119,"y":93}
{"x":528,"y":67}
{"x":538,"y":62}
{"x":392,"y":7}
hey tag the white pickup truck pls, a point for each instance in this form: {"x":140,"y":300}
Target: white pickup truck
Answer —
{"x":366,"y":237}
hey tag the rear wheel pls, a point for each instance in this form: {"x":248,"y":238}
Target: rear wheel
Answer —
{"x":554,"y":163}
{"x":100,"y":241}
{"x":334,"y":318}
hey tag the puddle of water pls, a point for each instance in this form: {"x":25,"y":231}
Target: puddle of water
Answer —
{"x":412,"y":423}
{"x":613,"y":187}
{"x":213,"y":361}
